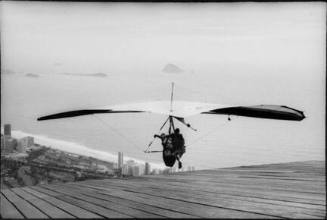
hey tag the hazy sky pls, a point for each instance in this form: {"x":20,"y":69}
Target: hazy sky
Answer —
{"x":237,"y":53}
{"x":100,"y":37}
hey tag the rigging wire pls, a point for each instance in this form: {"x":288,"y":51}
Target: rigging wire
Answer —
{"x":206,"y":134}
{"x":147,"y":150}
{"x":116,"y":131}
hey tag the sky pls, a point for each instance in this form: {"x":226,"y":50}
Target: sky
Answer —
{"x":97,"y":37}
{"x":238,"y":53}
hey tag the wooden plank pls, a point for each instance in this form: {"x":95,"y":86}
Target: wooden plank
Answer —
{"x":228,"y":203}
{"x":23,"y":206}
{"x":79,"y":194}
{"x":45,"y":207}
{"x":67,"y":207}
{"x":48,"y":192}
{"x":93,"y":208}
{"x":79,"y":201}
{"x":294,"y":190}
{"x":240,"y":193}
{"x":259,"y":191}
{"x":7,"y":210}
{"x":127,"y":203}
{"x":305,"y":213}
{"x":206,"y":189}
{"x":190,"y":208}
{"x":148,"y":185}
{"x":276,"y":184}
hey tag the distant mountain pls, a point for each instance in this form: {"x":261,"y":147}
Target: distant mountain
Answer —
{"x":172,"y":68}
{"x":98,"y":74}
{"x":33,"y":75}
{"x":7,"y":71}
{"x":87,"y":74}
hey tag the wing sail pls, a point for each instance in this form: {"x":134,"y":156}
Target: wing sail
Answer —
{"x":76,"y":113}
{"x":184,"y":109}
{"x":280,"y":112}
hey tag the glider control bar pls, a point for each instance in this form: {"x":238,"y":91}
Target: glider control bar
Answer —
{"x":152,"y":151}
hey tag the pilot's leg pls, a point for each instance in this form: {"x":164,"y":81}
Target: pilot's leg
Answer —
{"x":179,"y":162}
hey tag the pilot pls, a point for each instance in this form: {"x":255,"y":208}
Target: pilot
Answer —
{"x":166,"y":140}
{"x":174,"y":142}
{"x":179,"y":146}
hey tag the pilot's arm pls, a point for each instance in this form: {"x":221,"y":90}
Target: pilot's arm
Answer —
{"x":158,"y":136}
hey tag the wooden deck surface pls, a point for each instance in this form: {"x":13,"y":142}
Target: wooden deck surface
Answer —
{"x":290,"y":190}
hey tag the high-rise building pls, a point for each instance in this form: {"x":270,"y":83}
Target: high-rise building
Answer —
{"x":120,"y":159}
{"x":147,"y":169}
{"x":2,"y":142}
{"x":25,"y":142}
{"x":124,"y":170}
{"x":136,"y":171}
{"x":142,"y":168}
{"x":7,"y":130}
{"x":20,"y":147}
{"x":9,"y":145}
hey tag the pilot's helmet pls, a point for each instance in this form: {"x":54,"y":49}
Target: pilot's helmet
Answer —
{"x":177,"y":130}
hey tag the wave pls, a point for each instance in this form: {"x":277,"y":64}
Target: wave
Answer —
{"x":76,"y":148}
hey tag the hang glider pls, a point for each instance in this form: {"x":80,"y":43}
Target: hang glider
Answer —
{"x":182,"y":109}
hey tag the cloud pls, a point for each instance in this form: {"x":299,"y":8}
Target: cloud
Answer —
{"x":32,"y":75}
{"x":87,"y":74}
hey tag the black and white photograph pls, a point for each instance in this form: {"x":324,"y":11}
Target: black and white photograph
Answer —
{"x":163,"y":110}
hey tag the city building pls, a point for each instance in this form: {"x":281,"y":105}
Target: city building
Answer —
{"x":147,"y":169}
{"x":166,"y":171}
{"x":2,"y":142}
{"x":102,"y":168}
{"x":135,"y":171}
{"x":142,"y":168}
{"x":24,"y":143}
{"x":124,"y":169}
{"x":20,"y":147}
{"x":120,"y":159}
{"x":7,"y":130}
{"x":131,"y":163}
{"x":9,"y":144}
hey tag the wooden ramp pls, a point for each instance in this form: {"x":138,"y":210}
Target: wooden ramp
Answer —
{"x":290,"y":190}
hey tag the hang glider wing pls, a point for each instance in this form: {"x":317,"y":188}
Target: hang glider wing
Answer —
{"x":76,"y":113}
{"x":182,"y":109}
{"x":261,"y":111}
